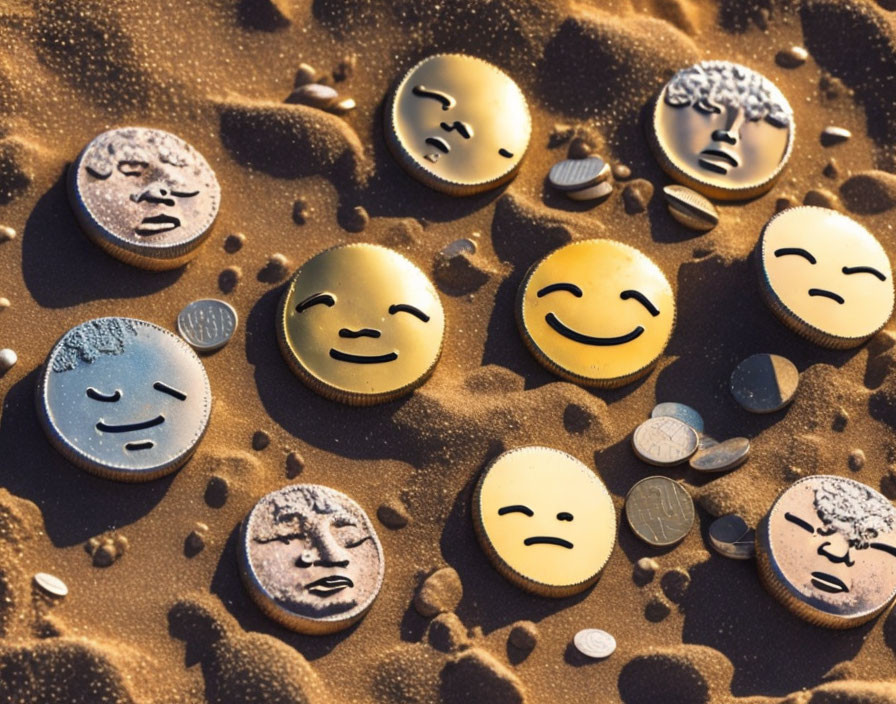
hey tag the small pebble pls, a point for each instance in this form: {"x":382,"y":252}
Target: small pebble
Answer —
{"x":831,"y":169}
{"x":314,"y":95}
{"x":440,"y":592}
{"x":447,"y":633}
{"x":621,"y":172}
{"x":393,"y":514}
{"x":869,"y":192}
{"x":50,"y":585}
{"x":260,"y":440}
{"x":275,"y":270}
{"x":645,"y":570}
{"x":300,"y":212}
{"x":216,"y":492}
{"x":4,"y":303}
{"x":229,"y":278}
{"x":636,"y":195}
{"x":783,"y":203}
{"x":821,"y":197}
{"x":6,"y":233}
{"x":357,"y":219}
{"x":295,"y":463}
{"x":305,"y":75}
{"x":856,"y":460}
{"x":657,"y":609}
{"x":834,"y":135}
{"x":524,"y":635}
{"x":195,"y":541}
{"x":594,"y":643}
{"x":560,"y":133}
{"x":794,"y":57}
{"x":675,"y":584}
{"x":105,"y":555}
{"x":346,"y":68}
{"x":579,"y":148}
{"x":841,"y":420}
{"x":8,"y":360}
{"x":343,"y":106}
{"x":234,"y":243}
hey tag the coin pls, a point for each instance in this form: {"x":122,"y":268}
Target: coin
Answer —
{"x":685,"y":414}
{"x":581,"y":179}
{"x":764,"y":383}
{"x":659,"y":510}
{"x":124,"y":398}
{"x":361,"y":324}
{"x":721,"y":457}
{"x":596,"y":312}
{"x":704,"y":441}
{"x":722,"y":129}
{"x":311,"y":559}
{"x":827,"y":551}
{"x":545,"y":520}
{"x":690,"y":208}
{"x":825,"y":276}
{"x":594,"y":643}
{"x":145,"y":196}
{"x":207,"y":324}
{"x":50,"y":585}
{"x":458,"y":124}
{"x":732,"y":537}
{"x":664,"y":441}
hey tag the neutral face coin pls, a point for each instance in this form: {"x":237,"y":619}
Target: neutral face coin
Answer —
{"x":764,"y":383}
{"x":825,"y":276}
{"x":458,"y":124}
{"x":722,"y":456}
{"x":732,"y":537}
{"x":207,"y":324}
{"x":311,"y":559}
{"x":659,"y":511}
{"x":722,"y":129}
{"x":594,"y":643}
{"x":664,"y":441}
{"x":145,"y":196}
{"x":684,"y":413}
{"x":545,"y":520}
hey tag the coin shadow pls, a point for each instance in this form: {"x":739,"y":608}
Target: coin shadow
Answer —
{"x":75,"y":504}
{"x":61,"y":267}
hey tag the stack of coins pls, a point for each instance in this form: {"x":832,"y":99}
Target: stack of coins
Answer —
{"x":582,"y":179}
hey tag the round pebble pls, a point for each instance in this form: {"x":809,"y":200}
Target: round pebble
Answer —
{"x":344,"y":106}
{"x":722,"y":456}
{"x":685,"y":414}
{"x":764,"y":383}
{"x":636,"y":195}
{"x":314,"y":95}
{"x":260,"y":440}
{"x":357,"y":219}
{"x":621,"y":172}
{"x":524,"y":635}
{"x":792,"y":57}
{"x":304,"y":75}
{"x":645,"y":569}
{"x":229,"y":278}
{"x":664,"y":441}
{"x":295,"y":463}
{"x":579,"y":148}
{"x":820,"y":198}
{"x":8,"y":360}
{"x":834,"y":135}
{"x":732,"y":537}
{"x":856,"y":460}
{"x":50,"y":585}
{"x":7,"y":233}
{"x":234,"y":243}
{"x":594,"y":643}
{"x":216,"y":492}
{"x":4,"y":303}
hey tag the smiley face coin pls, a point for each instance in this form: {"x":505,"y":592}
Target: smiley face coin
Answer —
{"x":825,"y":276}
{"x":458,"y":124}
{"x":145,"y":196}
{"x":124,"y":399}
{"x":596,"y":312}
{"x":827,"y":551}
{"x":311,"y":559}
{"x":722,"y":129}
{"x":545,"y":520}
{"x":361,"y":324}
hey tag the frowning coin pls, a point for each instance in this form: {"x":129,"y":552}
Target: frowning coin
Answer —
{"x":664,"y":441}
{"x":732,"y":537}
{"x":659,"y":510}
{"x":594,"y":643}
{"x":721,"y":457}
{"x":207,"y":324}
{"x":764,"y":383}
{"x":686,"y":414}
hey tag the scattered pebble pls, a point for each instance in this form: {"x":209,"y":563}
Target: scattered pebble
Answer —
{"x":216,"y":492}
{"x":581,"y":179}
{"x":821,"y":197}
{"x":764,"y":383}
{"x":621,"y":172}
{"x":4,"y":303}
{"x":260,"y":440}
{"x":440,"y":592}
{"x":104,"y":555}
{"x":300,"y":211}
{"x":393,"y":514}
{"x":794,"y":57}
{"x":524,"y":635}
{"x":831,"y":87}
{"x":50,"y":585}
{"x":841,"y":420}
{"x":229,"y":278}
{"x":195,"y":541}
{"x":343,"y":106}
{"x":357,"y":219}
{"x":234,"y":243}
{"x":834,"y":135}
{"x":831,"y":169}
{"x":275,"y":270}
{"x":447,"y":633}
{"x":657,"y":609}
{"x":314,"y":95}
{"x":295,"y":463}
{"x":645,"y":570}
{"x":304,"y":75}
{"x":869,"y":192}
{"x":106,"y":549}
{"x":856,"y":460}
{"x":636,"y":195}
{"x":579,"y":148}
{"x":594,"y":643}
{"x":675,"y":584}
{"x":783,"y":203}
{"x":345,"y":69}
{"x":8,"y":360}
{"x":560,"y":133}
{"x":7,"y":233}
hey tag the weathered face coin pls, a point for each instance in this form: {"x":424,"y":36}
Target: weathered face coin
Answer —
{"x":207,"y":324}
{"x":145,"y":196}
{"x":685,"y":414}
{"x":664,"y":441}
{"x":50,"y":585}
{"x":659,"y":510}
{"x":764,"y":383}
{"x":732,"y":537}
{"x":124,"y":399}
{"x":722,"y":456}
{"x":594,"y":643}
{"x":311,"y":559}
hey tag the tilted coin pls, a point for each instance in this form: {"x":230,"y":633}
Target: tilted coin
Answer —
{"x":207,"y":324}
{"x":690,"y":208}
{"x":704,"y":441}
{"x":659,"y":510}
{"x":722,"y":129}
{"x":764,"y":383}
{"x":721,"y":457}
{"x":664,"y":441}
{"x":684,"y":413}
{"x":825,"y":276}
{"x":124,"y":398}
{"x":594,"y":643}
{"x":145,"y":196}
{"x":311,"y":559}
{"x":50,"y":585}
{"x":598,"y":190}
{"x":458,"y":124}
{"x":827,"y":551}
{"x":732,"y":537}
{"x":581,"y":179}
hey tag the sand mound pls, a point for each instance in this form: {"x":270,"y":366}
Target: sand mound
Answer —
{"x":16,"y":168}
{"x":869,"y":192}
{"x":475,"y":676}
{"x":849,"y":693}
{"x":266,"y":15}
{"x":408,"y":674}
{"x":688,"y":674}
{"x":524,"y":231}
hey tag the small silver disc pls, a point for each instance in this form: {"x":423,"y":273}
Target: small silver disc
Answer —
{"x":732,"y":537}
{"x":50,"y":585}
{"x":574,"y":174}
{"x":684,"y":413}
{"x":664,"y":441}
{"x":764,"y":383}
{"x":594,"y":643}
{"x":207,"y":324}
{"x":722,"y":456}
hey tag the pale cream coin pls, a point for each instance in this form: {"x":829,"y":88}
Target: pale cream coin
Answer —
{"x":664,"y":441}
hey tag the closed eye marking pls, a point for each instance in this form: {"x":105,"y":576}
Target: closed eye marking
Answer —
{"x":165,"y":389}
{"x":325,"y":298}
{"x":827,"y":294}
{"x":642,"y":299}
{"x":564,"y":516}
{"x":799,"y":251}
{"x":358,"y":542}
{"x":805,"y":525}
{"x":883,"y":546}
{"x":864,"y":270}
{"x":446,"y":100}
{"x":572,"y":288}
{"x":516,"y":508}
{"x":407,"y":308}
{"x":99,"y":396}
{"x":439,"y":144}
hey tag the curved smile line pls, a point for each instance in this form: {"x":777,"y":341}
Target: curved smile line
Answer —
{"x":130,"y":427}
{"x":548,"y":540}
{"x":363,"y":359}
{"x":555,"y":323}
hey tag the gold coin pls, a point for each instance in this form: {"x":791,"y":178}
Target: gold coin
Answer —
{"x":545,"y":520}
{"x":458,"y":124}
{"x":361,"y":324}
{"x":722,"y":129}
{"x":825,"y":276}
{"x":827,"y":551}
{"x":659,"y":510}
{"x":596,"y":312}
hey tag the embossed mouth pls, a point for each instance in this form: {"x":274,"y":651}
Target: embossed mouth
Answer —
{"x":828,"y":583}
{"x":363,"y":359}
{"x":548,"y":540}
{"x":568,"y":332}
{"x":130,"y":427}
{"x":156,"y":224}
{"x":326,"y":586}
{"x":827,"y":294}
{"x":718,"y":160}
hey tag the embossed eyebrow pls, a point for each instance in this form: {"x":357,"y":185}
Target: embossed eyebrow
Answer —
{"x":864,"y":270}
{"x":805,"y":525}
{"x":100,"y":396}
{"x":407,"y":308}
{"x":572,"y":288}
{"x":446,"y":100}
{"x":883,"y":546}
{"x":799,"y":251}
{"x":642,"y":299}
{"x":313,"y":300}
{"x":516,"y":508}
{"x":165,"y":389}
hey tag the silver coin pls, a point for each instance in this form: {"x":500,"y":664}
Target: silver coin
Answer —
{"x":704,"y":441}
{"x":124,"y":398}
{"x":664,"y":441}
{"x":575,"y":174}
{"x":732,"y":537}
{"x":601,"y":190}
{"x":659,"y":511}
{"x":690,"y":208}
{"x":207,"y":324}
{"x":145,"y":196}
{"x":722,"y":456}
{"x":50,"y":585}
{"x":686,"y":414}
{"x":594,"y":643}
{"x":764,"y":383}
{"x":310,"y":558}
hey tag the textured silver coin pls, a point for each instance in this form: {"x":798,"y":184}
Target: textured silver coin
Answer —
{"x":704,"y":441}
{"x":207,"y":324}
{"x":764,"y":383}
{"x":594,"y":643}
{"x":722,"y":456}
{"x":690,"y":208}
{"x":145,"y":196}
{"x":664,"y":441}
{"x":124,"y":398}
{"x":50,"y":585}
{"x":684,"y":413}
{"x":732,"y":537}
{"x":659,"y":511}
{"x":581,"y":179}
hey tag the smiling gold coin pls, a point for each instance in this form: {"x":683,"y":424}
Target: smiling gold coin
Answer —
{"x":458,"y":124}
{"x":545,"y":520}
{"x":596,"y":312}
{"x":361,"y":324}
{"x":825,"y":276}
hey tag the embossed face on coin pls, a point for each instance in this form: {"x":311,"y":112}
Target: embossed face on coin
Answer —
{"x":124,"y":398}
{"x":545,"y":520}
{"x":828,"y":551}
{"x":722,"y":129}
{"x":145,"y":196}
{"x":311,"y":558}
{"x":596,"y":312}
{"x":458,"y":124}
{"x":825,"y":276}
{"x":659,"y":511}
{"x":361,"y":324}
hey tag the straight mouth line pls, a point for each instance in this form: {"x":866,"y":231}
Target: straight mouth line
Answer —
{"x":548,"y":540}
{"x":828,"y":583}
{"x":156,"y":224}
{"x":363,"y":359}
{"x":555,"y":323}
{"x":130,"y":427}
{"x":719,"y":154}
